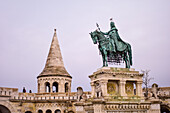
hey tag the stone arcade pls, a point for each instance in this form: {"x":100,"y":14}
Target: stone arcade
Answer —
{"x":114,"y":90}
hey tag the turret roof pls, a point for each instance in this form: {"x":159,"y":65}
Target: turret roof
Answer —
{"x":54,"y":65}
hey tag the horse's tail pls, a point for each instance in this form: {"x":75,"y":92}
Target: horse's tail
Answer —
{"x":130,"y":53}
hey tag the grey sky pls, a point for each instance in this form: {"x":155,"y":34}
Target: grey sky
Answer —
{"x":26,"y":30}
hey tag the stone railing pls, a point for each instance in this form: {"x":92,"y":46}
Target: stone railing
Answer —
{"x":47,"y":96}
{"x":44,"y":98}
{"x":127,"y":107}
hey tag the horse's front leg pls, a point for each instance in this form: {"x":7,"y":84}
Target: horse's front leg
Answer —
{"x":106,"y":60}
{"x":103,"y":60}
{"x":105,"y":57}
{"x":127,"y":66}
{"x":126,"y":60}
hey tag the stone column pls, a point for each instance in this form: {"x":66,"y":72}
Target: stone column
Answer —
{"x":42,"y":88}
{"x":51,"y":87}
{"x":61,"y":86}
{"x":38,"y":88}
{"x":122,"y":91}
{"x":139,"y":88}
{"x":93,"y":89}
{"x":69,"y":87}
{"x":104,"y":87}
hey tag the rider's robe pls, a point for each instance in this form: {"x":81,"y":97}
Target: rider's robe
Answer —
{"x":117,"y":44}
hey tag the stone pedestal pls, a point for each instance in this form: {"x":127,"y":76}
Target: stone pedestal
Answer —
{"x":155,"y":106}
{"x":98,"y":108}
{"x":117,"y":82}
{"x":79,"y":107}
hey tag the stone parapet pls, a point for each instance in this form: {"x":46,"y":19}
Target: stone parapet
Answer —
{"x":8,"y":91}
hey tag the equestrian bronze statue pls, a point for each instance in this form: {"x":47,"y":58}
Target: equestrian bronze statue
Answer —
{"x":112,"y":48}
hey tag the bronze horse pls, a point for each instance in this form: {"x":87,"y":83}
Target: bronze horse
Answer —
{"x":103,"y":45}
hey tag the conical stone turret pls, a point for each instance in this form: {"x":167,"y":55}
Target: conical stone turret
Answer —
{"x":54,"y":78}
{"x":54,"y":64}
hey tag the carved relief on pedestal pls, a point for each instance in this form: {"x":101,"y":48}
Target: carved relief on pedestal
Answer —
{"x":129,"y":88}
{"x":112,"y":88}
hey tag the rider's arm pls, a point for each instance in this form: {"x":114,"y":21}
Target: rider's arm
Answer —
{"x":104,"y":33}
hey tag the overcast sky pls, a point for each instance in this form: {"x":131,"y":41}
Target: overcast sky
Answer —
{"x":27,"y":27}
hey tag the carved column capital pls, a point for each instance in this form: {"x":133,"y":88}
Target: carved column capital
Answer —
{"x":122,"y":82}
{"x":139,"y":82}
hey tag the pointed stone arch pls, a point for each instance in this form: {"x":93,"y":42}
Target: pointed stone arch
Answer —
{"x":47,"y":87}
{"x":55,"y":87}
{"x":66,"y":87}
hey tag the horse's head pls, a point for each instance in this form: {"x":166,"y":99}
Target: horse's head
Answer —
{"x":94,"y":36}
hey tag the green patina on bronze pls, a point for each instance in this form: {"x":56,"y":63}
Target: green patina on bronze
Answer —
{"x":112,"y":48}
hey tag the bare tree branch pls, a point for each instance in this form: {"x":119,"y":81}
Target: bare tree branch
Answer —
{"x":146,"y":81}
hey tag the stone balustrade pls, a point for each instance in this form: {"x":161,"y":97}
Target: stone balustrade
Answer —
{"x":14,"y":95}
{"x":127,"y":106}
{"x":47,"y":96}
{"x":44,"y":98}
